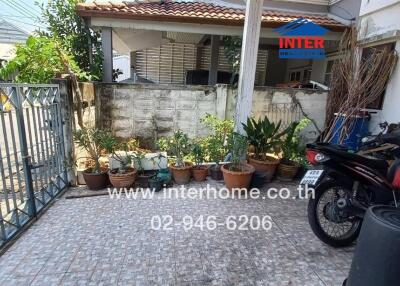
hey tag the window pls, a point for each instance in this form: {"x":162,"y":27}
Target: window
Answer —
{"x":328,"y":73}
{"x":295,"y":76}
{"x":307,"y":76}
{"x":368,"y":52}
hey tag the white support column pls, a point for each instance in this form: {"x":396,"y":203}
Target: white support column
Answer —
{"x":106,"y":42}
{"x":213,"y":70}
{"x":248,"y":62}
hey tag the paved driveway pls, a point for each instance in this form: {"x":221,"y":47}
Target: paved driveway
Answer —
{"x":103,"y":241}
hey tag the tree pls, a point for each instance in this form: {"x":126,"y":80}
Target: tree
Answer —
{"x":36,"y":61}
{"x":74,"y":36}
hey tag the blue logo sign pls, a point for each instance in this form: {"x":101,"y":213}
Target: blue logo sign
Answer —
{"x":301,"y":39}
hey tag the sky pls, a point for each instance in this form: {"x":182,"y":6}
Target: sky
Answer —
{"x":22,"y":13}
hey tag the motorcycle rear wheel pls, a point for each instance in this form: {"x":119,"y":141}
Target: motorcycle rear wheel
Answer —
{"x":336,"y":234}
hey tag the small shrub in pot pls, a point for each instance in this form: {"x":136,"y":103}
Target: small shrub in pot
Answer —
{"x":218,"y":144}
{"x":178,"y":145}
{"x":199,"y":171}
{"x":293,"y":151}
{"x":93,"y":141}
{"x":238,"y":174}
{"x":124,"y":176}
{"x":142,"y":176}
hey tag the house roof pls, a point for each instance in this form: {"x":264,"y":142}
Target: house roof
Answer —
{"x":194,"y":12}
{"x":9,"y":33}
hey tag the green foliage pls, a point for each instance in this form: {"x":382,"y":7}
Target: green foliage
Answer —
{"x":93,"y":141}
{"x":120,"y":152}
{"x":239,"y":151}
{"x":264,"y":136}
{"x":219,"y":143}
{"x":137,"y":157}
{"x":232,"y":50}
{"x":215,"y":151}
{"x":37,"y":61}
{"x":178,"y":145}
{"x":71,"y":31}
{"x":197,"y":151}
{"x":292,"y":147}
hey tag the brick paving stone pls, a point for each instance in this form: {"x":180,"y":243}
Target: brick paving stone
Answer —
{"x":103,"y":241}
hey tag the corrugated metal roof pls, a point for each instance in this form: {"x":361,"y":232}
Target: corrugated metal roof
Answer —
{"x":11,"y":34}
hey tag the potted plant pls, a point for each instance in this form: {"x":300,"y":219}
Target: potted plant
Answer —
{"x":93,"y":141}
{"x":199,"y":171}
{"x":163,"y":177}
{"x":142,"y":176}
{"x":179,"y":146}
{"x":293,"y":151}
{"x":216,"y":153}
{"x":218,"y":144}
{"x":238,"y":174}
{"x":265,"y":138}
{"x":124,"y":176}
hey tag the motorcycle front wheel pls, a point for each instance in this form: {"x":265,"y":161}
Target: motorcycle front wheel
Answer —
{"x":327,"y":221}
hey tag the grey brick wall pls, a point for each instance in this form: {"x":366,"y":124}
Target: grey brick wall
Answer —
{"x":148,"y":112}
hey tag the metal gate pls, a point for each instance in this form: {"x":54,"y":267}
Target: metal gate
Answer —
{"x":32,"y":167}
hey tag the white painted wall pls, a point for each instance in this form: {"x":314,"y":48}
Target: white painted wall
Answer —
{"x":123,"y":63}
{"x":378,"y":23}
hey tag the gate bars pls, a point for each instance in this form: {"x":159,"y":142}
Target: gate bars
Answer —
{"x":32,"y":156}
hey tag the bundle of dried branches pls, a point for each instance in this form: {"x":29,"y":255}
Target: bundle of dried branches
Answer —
{"x":356,"y":82}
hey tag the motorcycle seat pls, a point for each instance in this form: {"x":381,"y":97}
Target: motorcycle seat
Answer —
{"x":393,"y":138}
{"x":367,"y":161}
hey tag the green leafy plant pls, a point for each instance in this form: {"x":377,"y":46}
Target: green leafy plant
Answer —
{"x":73,"y":34}
{"x":232,"y":50}
{"x":36,"y":61}
{"x":197,"y":153}
{"x":156,"y":160}
{"x":93,"y":140}
{"x":120,"y":152}
{"x":264,"y":136}
{"x":219,"y":143}
{"x":137,"y":157}
{"x":178,"y":145}
{"x":292,"y":148}
{"x":239,"y":152}
{"x":215,"y":151}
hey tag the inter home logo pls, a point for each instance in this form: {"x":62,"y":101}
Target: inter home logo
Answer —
{"x":301,"y":39}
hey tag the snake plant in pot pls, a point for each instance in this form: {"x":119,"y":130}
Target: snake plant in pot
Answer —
{"x":265,"y":138}
{"x":199,"y":171}
{"x":93,"y":141}
{"x":293,"y":151}
{"x":238,"y":174}
{"x":178,"y":145}
{"x":124,"y":176}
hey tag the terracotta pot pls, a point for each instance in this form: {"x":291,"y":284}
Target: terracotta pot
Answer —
{"x":216,"y":173}
{"x":268,"y":166}
{"x":181,"y":175}
{"x":142,"y":179}
{"x":200,"y":173}
{"x":287,"y":170}
{"x":125,"y":180}
{"x":238,"y":179}
{"x":95,"y":181}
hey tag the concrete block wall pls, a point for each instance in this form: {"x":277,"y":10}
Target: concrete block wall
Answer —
{"x":148,"y":112}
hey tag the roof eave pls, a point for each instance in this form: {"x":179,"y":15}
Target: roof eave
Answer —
{"x":183,"y":19}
